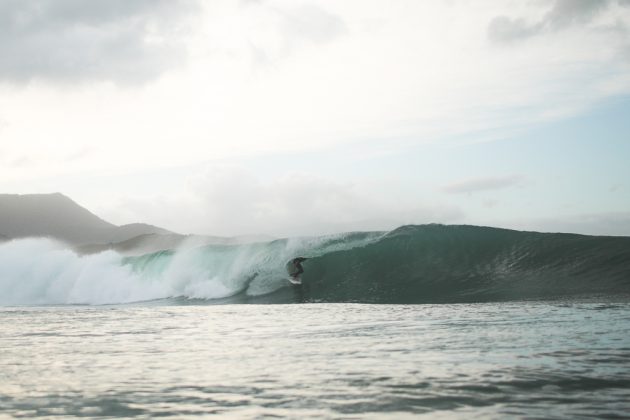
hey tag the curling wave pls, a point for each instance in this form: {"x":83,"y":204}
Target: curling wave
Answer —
{"x":412,"y":264}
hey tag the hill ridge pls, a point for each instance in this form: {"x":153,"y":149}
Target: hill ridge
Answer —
{"x":57,"y":216}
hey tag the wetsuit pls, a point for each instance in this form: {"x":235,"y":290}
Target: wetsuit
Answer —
{"x":297,"y":263}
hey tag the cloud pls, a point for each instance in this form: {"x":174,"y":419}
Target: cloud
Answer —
{"x":281,"y":29}
{"x":125,"y":41}
{"x":568,"y":12}
{"x":504,"y":29}
{"x":563,"y":14}
{"x":604,"y":223}
{"x":231,"y":200}
{"x":20,"y":162}
{"x":312,"y":23}
{"x":482,"y":184}
{"x":342,"y":84}
{"x":236,"y":200}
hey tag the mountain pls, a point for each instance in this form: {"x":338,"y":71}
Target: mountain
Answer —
{"x":137,"y":229}
{"x":57,"y":216}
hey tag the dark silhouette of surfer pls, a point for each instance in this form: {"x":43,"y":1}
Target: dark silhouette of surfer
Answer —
{"x":297,"y":265}
{"x":299,"y":289}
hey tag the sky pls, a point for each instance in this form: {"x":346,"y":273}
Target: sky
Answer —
{"x":305,"y":117}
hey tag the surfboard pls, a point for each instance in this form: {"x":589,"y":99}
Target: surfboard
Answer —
{"x":291,"y":271}
{"x":294,"y":280}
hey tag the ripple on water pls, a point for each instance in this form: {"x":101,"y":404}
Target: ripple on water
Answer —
{"x":525,"y":359}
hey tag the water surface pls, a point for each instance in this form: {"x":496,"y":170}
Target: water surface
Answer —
{"x":521,"y":359}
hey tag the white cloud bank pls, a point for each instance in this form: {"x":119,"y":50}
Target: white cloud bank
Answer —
{"x":263,"y":77}
{"x":232,"y":200}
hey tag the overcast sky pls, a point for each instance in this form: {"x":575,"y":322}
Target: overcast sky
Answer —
{"x":305,"y":117}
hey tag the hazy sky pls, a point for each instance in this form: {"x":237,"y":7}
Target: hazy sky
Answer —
{"x":303,"y":117}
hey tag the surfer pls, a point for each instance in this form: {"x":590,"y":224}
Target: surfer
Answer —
{"x":297,"y":265}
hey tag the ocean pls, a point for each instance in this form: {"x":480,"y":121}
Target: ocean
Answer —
{"x":489,"y":360}
{"x":435,"y":321}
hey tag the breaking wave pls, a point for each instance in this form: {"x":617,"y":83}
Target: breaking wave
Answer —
{"x":412,"y":264}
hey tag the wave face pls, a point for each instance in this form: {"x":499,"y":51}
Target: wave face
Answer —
{"x":436,"y":263}
{"x":412,"y":264}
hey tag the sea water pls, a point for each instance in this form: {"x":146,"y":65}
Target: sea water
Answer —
{"x":554,"y":359}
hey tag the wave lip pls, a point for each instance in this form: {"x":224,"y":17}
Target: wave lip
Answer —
{"x":411,"y":264}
